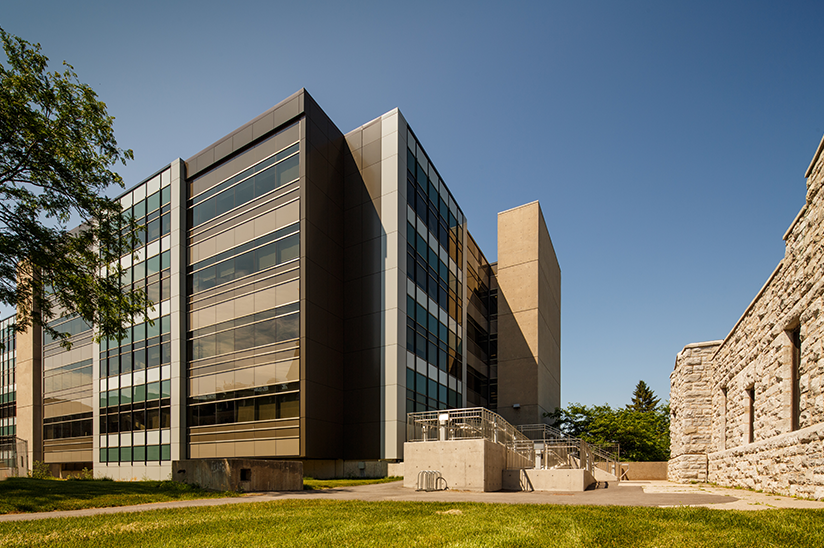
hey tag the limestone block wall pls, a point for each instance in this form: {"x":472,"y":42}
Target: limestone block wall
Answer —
{"x":691,"y":412}
{"x":765,"y":417}
{"x":789,"y":464}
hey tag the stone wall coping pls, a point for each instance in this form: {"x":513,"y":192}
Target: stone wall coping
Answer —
{"x":795,"y":221}
{"x":703,"y":344}
{"x":787,"y":438}
{"x":815,"y":157}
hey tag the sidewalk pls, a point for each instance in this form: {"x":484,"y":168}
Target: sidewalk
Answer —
{"x":627,"y":493}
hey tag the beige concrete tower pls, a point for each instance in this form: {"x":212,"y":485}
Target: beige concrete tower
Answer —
{"x":529,"y":317}
{"x":29,"y":391}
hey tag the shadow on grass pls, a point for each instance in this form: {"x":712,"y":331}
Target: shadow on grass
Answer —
{"x":45,"y":495}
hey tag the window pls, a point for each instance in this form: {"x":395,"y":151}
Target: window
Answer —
{"x":795,"y":377}
{"x":750,"y":397}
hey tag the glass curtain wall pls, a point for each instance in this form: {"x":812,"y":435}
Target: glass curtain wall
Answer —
{"x":434,"y":235}
{"x":135,"y":373}
{"x":8,"y":382}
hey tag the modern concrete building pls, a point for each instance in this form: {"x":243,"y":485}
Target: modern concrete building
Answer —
{"x":747,"y":410}
{"x":311,"y":288}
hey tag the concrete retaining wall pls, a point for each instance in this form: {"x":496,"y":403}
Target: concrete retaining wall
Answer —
{"x":644,"y":470}
{"x":471,"y":465}
{"x":240,"y":474}
{"x":547,"y":480}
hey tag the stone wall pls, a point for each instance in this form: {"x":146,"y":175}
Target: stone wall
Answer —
{"x":741,"y":406}
{"x":691,"y":412}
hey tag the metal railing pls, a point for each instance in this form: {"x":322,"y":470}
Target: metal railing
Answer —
{"x":14,"y":458}
{"x":468,"y":424}
{"x":553,"y":449}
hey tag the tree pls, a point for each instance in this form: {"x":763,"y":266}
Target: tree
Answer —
{"x":643,"y":398}
{"x":56,"y":147}
{"x":642,"y":434}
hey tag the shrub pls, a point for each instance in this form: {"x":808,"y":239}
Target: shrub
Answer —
{"x":40,"y":470}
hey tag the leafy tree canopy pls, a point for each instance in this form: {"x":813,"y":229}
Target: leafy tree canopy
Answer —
{"x":56,"y":149}
{"x":642,"y":434}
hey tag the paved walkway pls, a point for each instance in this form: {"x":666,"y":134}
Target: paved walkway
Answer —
{"x":628,"y":493}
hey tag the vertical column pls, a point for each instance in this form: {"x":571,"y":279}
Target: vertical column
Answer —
{"x":30,"y":391}
{"x":179,"y":389}
{"x":393,"y":282}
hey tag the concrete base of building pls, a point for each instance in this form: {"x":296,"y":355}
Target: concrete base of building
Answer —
{"x":134,"y":471}
{"x":240,"y":474}
{"x":337,"y":469}
{"x":547,"y":480}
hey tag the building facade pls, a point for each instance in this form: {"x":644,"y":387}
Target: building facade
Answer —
{"x":310,"y":288}
{"x":748,"y":410}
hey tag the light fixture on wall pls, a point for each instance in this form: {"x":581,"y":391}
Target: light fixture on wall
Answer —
{"x":516,"y":406}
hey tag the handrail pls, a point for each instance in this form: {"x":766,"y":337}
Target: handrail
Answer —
{"x":471,"y":423}
{"x":561,"y":451}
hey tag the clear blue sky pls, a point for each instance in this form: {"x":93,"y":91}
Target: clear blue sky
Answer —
{"x":666,"y":143}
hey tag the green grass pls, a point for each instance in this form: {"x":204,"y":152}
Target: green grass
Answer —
{"x":311,"y":484}
{"x":39,"y":495}
{"x":415,"y":524}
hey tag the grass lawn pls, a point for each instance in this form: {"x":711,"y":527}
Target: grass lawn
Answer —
{"x":311,"y":484}
{"x":45,"y":495}
{"x":353,"y":523}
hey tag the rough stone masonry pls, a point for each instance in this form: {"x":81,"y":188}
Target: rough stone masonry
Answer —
{"x":749,"y":410}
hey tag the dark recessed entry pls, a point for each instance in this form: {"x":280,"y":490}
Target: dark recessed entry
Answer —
{"x":245,"y":474}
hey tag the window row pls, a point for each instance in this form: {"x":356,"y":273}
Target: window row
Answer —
{"x":136,"y":394}
{"x":427,"y":322}
{"x":449,"y":238}
{"x":277,"y":406}
{"x":249,"y":377}
{"x":267,"y":256}
{"x":68,"y":376}
{"x":425,"y":254}
{"x":262,"y":333}
{"x":136,"y":417}
{"x":426,"y":347}
{"x":148,"y":453}
{"x":244,"y":320}
{"x":435,"y":288}
{"x":153,"y":227}
{"x":71,"y":429}
{"x":148,"y":205}
{"x":248,"y":246}
{"x":256,"y":181}
{"x":429,"y":189}
{"x":72,"y":325}
{"x":136,"y":360}
{"x":150,"y":266}
{"x":140,"y":332}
